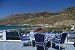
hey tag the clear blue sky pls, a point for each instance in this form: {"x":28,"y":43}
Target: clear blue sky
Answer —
{"x":8,"y":7}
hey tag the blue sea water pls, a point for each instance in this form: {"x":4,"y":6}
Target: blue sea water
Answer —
{"x":16,"y":27}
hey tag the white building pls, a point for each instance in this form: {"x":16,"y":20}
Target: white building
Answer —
{"x":73,"y":27}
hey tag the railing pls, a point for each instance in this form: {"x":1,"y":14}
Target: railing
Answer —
{"x":1,"y":35}
{"x":71,"y":37}
{"x":12,"y":36}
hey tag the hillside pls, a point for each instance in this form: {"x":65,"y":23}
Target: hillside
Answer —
{"x":64,"y":17}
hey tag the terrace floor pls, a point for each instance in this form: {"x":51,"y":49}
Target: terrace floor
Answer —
{"x":16,"y":46}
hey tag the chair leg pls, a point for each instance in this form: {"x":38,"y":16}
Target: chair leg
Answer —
{"x":51,"y":44}
{"x":21,"y":44}
{"x":64,"y":46}
{"x":44,"y":47}
{"x":29,"y":43}
{"x":59,"y":46}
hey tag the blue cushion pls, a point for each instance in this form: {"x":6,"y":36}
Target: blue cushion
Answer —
{"x":56,"y":41}
{"x":25,"y":38}
{"x":40,"y":43}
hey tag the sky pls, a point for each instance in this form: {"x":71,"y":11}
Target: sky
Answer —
{"x":9,"y":7}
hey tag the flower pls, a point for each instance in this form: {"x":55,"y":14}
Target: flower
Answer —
{"x":38,"y":29}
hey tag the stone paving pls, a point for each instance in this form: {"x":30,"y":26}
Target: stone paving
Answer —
{"x":16,"y":46}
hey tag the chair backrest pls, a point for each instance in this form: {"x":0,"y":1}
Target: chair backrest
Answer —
{"x":20,"y":35}
{"x":63,"y":37}
{"x":25,"y":38}
{"x":32,"y":35}
{"x":39,"y":38}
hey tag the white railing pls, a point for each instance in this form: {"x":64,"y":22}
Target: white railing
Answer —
{"x":3,"y":35}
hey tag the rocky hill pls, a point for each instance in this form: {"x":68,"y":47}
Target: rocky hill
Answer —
{"x":63,"y":17}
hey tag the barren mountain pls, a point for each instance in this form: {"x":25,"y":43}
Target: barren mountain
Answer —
{"x":63,"y":17}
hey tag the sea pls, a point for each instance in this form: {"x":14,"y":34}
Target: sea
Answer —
{"x":16,"y":27}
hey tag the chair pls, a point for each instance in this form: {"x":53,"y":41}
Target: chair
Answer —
{"x":39,"y":40}
{"x":32,"y":39}
{"x":61,"y":40}
{"x":71,"y":37}
{"x":24,"y":38}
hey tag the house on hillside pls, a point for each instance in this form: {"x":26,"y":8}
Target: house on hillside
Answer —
{"x":73,"y":27}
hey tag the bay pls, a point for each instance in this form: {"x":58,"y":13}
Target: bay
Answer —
{"x":16,"y":27}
